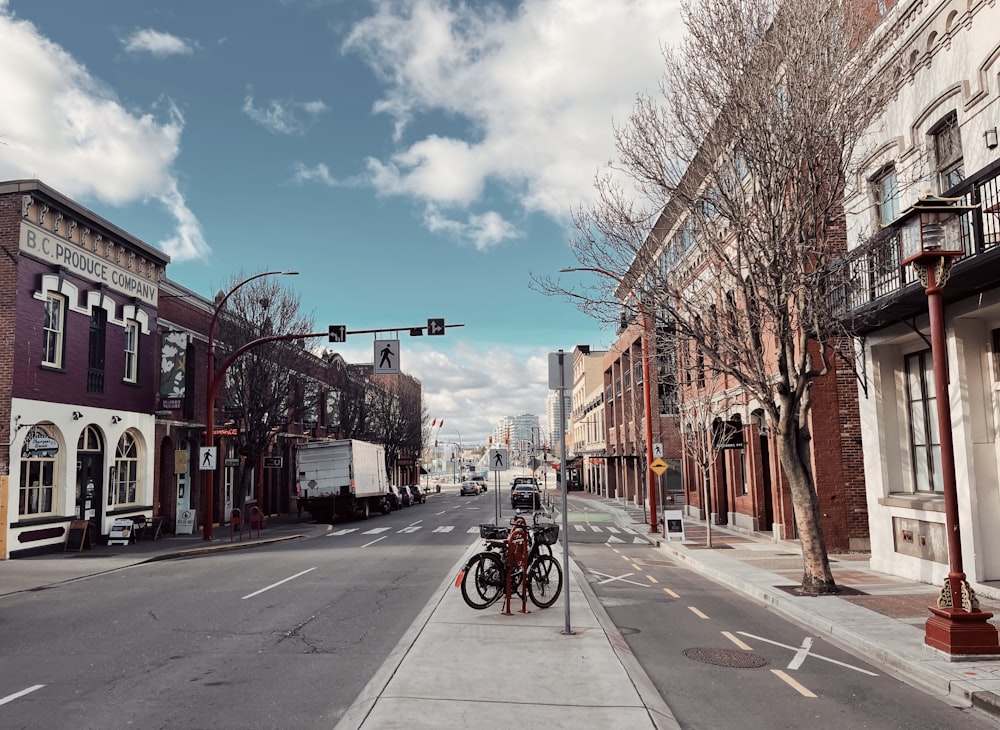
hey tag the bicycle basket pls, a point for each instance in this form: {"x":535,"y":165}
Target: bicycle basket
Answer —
{"x":547,"y":534}
{"x":493,"y":532}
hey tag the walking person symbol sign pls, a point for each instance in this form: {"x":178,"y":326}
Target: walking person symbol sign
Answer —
{"x":386,"y":357}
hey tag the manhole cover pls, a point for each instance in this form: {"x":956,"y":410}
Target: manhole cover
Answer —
{"x":726,"y":658}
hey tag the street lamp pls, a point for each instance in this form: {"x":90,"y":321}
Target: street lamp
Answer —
{"x":930,"y":239}
{"x":209,"y":493}
{"x":647,"y":400}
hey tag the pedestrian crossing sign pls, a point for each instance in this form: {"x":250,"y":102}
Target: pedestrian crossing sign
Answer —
{"x":499,"y":460}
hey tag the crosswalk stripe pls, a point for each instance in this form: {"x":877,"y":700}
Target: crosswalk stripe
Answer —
{"x":345,"y":531}
{"x":376,"y":531}
{"x":612,"y":530}
{"x":595,"y":528}
{"x":444,"y":528}
{"x":578,"y":528}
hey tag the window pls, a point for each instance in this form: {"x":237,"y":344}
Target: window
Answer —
{"x":925,"y":441}
{"x":38,"y":469}
{"x":948,"y":162}
{"x":53,"y":328}
{"x":95,"y":352}
{"x":885,"y":190}
{"x":125,"y":479}
{"x":131,"y":351}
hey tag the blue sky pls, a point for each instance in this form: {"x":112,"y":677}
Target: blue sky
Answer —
{"x":411,"y":158}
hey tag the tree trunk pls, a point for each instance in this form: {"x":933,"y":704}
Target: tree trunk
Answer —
{"x":817,"y":577}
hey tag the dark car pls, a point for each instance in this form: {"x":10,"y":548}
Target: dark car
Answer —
{"x":404,"y":497}
{"x":526,"y":495}
{"x":469,"y":488}
{"x":392,"y":497}
{"x":415,"y":494}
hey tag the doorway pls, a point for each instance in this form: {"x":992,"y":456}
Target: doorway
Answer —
{"x":90,"y":479}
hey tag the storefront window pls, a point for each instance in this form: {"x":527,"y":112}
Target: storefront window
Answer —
{"x":38,"y":469}
{"x":125,"y":480}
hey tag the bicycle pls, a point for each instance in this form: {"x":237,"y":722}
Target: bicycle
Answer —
{"x":484,"y":578}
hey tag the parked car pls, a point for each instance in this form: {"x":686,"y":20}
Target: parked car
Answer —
{"x":526,"y":495}
{"x":416,"y":495}
{"x":523,"y":480}
{"x":468,"y":488}
{"x":405,"y":500}
{"x":392,"y":497}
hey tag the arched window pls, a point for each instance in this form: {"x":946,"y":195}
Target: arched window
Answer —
{"x":125,"y":480}
{"x":38,"y":470}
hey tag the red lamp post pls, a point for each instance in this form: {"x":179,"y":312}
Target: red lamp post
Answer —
{"x":930,"y":239}
{"x":647,"y":398}
{"x":213,"y":387}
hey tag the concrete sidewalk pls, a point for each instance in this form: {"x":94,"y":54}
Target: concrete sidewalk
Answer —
{"x":880,"y":617}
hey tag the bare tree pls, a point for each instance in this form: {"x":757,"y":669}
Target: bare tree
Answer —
{"x":723,"y":212}
{"x":266,"y":387}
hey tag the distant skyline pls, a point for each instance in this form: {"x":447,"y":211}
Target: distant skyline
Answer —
{"x":411,"y":158}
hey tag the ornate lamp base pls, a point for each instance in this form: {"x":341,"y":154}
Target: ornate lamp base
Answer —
{"x":962,"y":630}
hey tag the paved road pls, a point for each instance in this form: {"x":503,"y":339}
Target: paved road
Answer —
{"x":715,"y":655}
{"x":279,"y":636}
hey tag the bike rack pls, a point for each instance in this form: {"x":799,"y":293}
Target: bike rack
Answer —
{"x":517,"y":554}
{"x":235,"y":522}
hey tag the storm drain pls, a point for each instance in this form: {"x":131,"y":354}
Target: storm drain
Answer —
{"x":726,"y":658}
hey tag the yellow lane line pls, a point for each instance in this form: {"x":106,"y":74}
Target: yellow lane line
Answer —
{"x":792,"y":683}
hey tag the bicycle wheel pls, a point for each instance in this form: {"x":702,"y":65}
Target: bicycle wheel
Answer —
{"x":482,"y":584}
{"x":544,"y":581}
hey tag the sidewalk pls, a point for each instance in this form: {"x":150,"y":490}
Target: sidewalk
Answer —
{"x":878,"y":616}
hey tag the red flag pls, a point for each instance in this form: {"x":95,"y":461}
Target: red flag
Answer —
{"x":441,"y":424}
{"x":433,"y":421}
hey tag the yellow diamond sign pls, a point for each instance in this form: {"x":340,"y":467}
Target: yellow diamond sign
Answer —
{"x":659,"y":466}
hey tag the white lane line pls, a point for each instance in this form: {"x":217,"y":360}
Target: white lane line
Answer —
{"x":377,"y":539}
{"x":801,"y":654}
{"x":792,"y":683}
{"x":818,"y":656}
{"x":739,"y":644}
{"x":696,"y":612}
{"x":408,"y":530}
{"x":376,"y":531}
{"x":22,"y":693}
{"x":622,"y":577}
{"x":275,"y":585}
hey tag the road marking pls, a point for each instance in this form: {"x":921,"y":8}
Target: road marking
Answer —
{"x":651,"y":579}
{"x":739,"y":644}
{"x":671,"y":593}
{"x":377,"y":539}
{"x":612,"y":530}
{"x":22,"y":693}
{"x":595,"y":528}
{"x":376,"y":531}
{"x":441,"y":513}
{"x":473,"y":530}
{"x":801,"y":654}
{"x":636,"y":568}
{"x":444,"y":528}
{"x":792,"y":683}
{"x":609,"y":578}
{"x":696,"y":612}
{"x":614,"y":540}
{"x":818,"y":656}
{"x":578,"y":528}
{"x":407,"y":530}
{"x":345,"y":531}
{"x":275,"y":585}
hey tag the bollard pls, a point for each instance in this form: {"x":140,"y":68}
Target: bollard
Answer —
{"x":235,"y":521}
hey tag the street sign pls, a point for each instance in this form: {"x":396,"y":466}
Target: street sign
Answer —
{"x":338,"y":333}
{"x":659,"y":466}
{"x":435,"y":326}
{"x":206,"y":458}
{"x":273,"y":462}
{"x":499,"y":460}
{"x":657,"y":451}
{"x":386,"y":357}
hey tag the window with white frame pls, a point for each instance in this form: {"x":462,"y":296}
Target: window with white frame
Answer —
{"x":131,"y":351}
{"x":885,"y":191}
{"x":53,"y":330}
{"x":125,"y":480}
{"x":925,"y":440}
{"x":948,"y":162}
{"x":38,"y":473}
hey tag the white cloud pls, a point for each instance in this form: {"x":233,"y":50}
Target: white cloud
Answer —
{"x":472,"y":389}
{"x":538,"y":88}
{"x":484,"y":230}
{"x":157,"y":44}
{"x":63,"y":126}
{"x":283,"y":117}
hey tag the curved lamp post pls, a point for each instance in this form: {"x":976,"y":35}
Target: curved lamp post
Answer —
{"x":647,"y":400}
{"x":930,"y":239}
{"x":213,"y":386}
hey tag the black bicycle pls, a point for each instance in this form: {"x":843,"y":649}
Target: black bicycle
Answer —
{"x":484,"y":577}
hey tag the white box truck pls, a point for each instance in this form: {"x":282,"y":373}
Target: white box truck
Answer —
{"x":342,"y":478}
